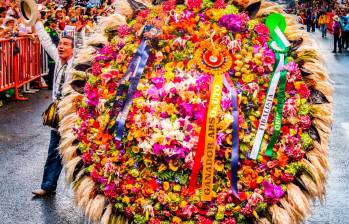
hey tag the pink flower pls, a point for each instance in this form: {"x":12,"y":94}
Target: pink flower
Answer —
{"x":268,"y":57}
{"x":92,"y":97}
{"x":158,"y":149}
{"x":158,"y":82}
{"x":96,"y":69}
{"x":305,"y":122}
{"x":229,"y":221}
{"x":290,"y":108}
{"x":109,"y":190}
{"x":263,"y":32}
{"x":109,"y":76}
{"x":123,"y":30}
{"x":293,"y":72}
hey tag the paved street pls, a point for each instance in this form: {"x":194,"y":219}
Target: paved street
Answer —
{"x":24,"y":142}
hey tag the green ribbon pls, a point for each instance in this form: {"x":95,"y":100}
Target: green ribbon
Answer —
{"x":276,"y":23}
{"x":278,"y":112}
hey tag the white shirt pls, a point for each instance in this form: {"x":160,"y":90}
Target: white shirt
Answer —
{"x":51,"y":50}
{"x":24,"y":29}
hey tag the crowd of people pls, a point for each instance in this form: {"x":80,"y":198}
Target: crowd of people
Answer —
{"x":328,"y":18}
{"x":58,"y":17}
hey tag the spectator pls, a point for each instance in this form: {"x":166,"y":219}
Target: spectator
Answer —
{"x":2,"y":32}
{"x":345,"y":27}
{"x":309,"y":20}
{"x":314,"y":20}
{"x":323,"y":21}
{"x":24,"y":30}
{"x":337,"y":34}
{"x":9,"y":25}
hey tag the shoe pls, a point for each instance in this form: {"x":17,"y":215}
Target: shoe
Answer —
{"x":40,"y":192}
{"x":339,"y":51}
{"x":334,"y":51}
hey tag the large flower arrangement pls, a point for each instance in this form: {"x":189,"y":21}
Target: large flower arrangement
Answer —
{"x":145,"y":176}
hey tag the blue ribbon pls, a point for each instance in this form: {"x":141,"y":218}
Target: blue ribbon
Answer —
{"x":136,"y":72}
{"x":235,"y":138}
{"x":121,"y":85}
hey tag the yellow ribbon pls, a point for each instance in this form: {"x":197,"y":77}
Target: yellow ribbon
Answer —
{"x":210,"y":138}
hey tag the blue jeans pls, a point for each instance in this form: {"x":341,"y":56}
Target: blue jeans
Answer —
{"x":323,"y":29}
{"x":53,"y":166}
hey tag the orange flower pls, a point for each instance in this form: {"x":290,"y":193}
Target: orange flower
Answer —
{"x":283,"y":159}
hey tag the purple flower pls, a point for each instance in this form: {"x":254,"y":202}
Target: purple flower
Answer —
{"x":232,"y":22}
{"x":271,"y":191}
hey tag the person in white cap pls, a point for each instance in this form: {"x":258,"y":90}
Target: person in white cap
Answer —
{"x":63,"y":57}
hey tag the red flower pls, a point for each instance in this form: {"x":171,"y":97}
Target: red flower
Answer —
{"x":304,"y":91}
{"x":285,"y":130}
{"x":194,"y":4}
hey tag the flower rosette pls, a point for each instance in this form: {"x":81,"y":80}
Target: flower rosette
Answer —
{"x":145,"y":176}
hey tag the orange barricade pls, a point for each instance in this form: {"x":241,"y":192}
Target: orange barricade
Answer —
{"x":20,"y":63}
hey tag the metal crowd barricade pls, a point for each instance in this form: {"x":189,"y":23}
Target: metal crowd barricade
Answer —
{"x":6,"y":61}
{"x":20,"y":62}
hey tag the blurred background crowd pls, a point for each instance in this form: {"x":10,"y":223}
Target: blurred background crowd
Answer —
{"x":58,"y":16}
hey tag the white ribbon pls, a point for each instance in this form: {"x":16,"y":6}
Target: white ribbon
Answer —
{"x":267,"y":108}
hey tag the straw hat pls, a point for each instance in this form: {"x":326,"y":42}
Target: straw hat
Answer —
{"x":29,"y":11}
{"x":336,"y":18}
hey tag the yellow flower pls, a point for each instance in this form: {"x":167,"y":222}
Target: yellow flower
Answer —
{"x":247,"y":78}
{"x":259,"y":179}
{"x":180,"y":66}
{"x":191,"y":64}
{"x":169,"y":67}
{"x":147,"y":159}
{"x":176,"y":219}
{"x":219,"y":166}
{"x":183,"y":204}
{"x":169,"y":75}
{"x":162,"y":167}
{"x":126,"y":200}
{"x":130,"y":137}
{"x":174,"y":165}
{"x":135,"y":149}
{"x":227,"y":153}
{"x":177,"y":188}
